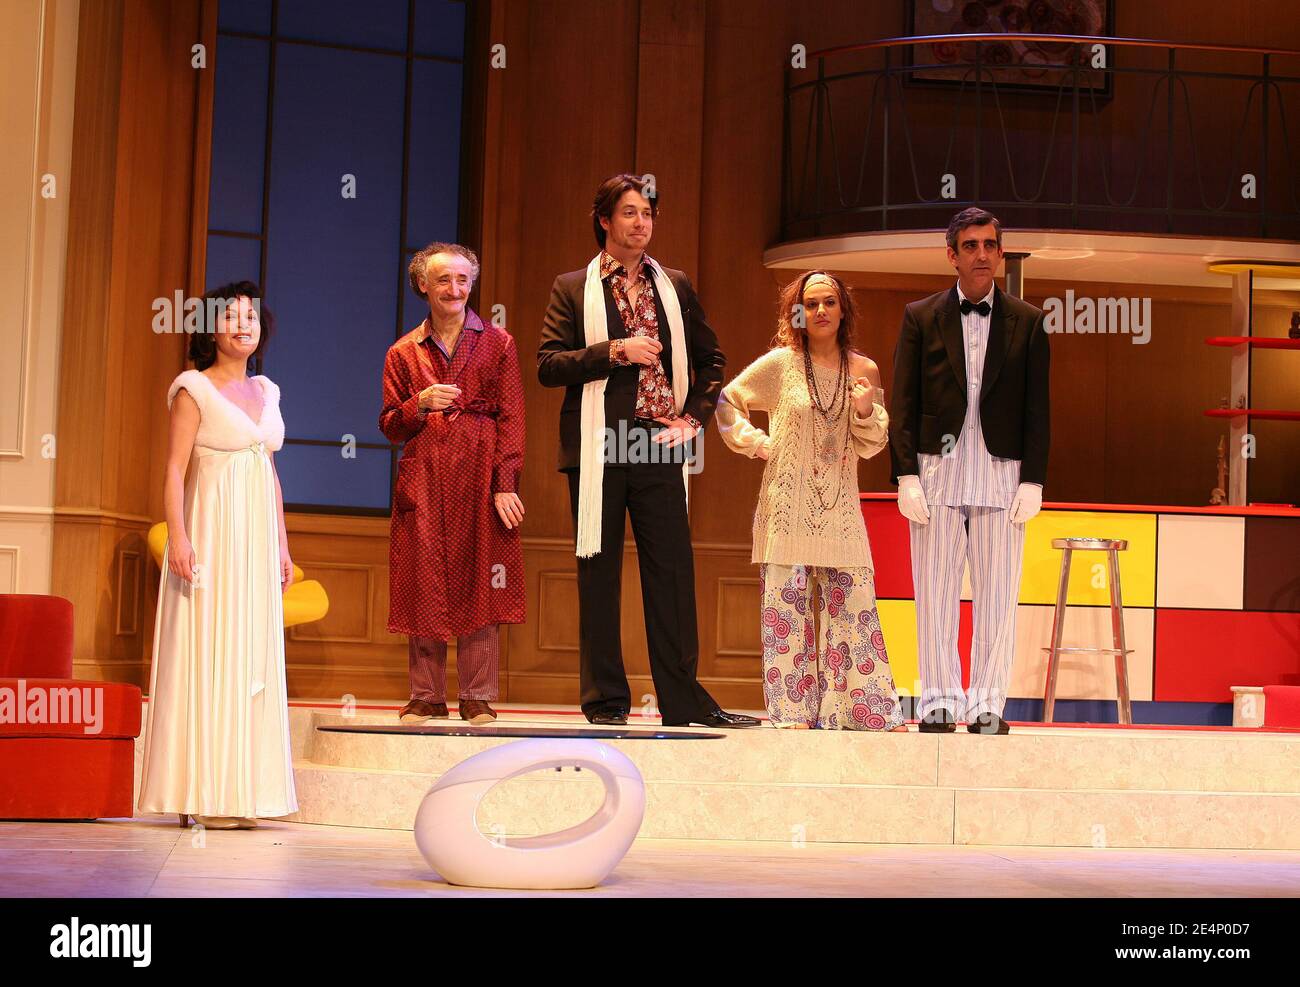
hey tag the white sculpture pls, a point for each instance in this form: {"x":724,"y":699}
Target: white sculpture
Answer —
{"x":447,"y":833}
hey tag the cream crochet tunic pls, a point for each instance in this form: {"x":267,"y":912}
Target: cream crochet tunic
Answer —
{"x":808,"y":509}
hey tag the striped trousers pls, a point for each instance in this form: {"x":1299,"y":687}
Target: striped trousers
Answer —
{"x":994,"y":546}
{"x":476,"y":666}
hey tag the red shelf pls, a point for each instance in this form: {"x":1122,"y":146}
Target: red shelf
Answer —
{"x":1280,"y":416}
{"x":1258,"y":342}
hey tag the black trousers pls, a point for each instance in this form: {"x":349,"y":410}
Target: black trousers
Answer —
{"x":653,"y":495}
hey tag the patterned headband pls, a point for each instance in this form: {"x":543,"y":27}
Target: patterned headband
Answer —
{"x":822,"y":279}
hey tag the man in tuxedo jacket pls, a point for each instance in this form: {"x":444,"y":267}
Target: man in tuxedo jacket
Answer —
{"x":627,"y":339}
{"x":969,"y":430}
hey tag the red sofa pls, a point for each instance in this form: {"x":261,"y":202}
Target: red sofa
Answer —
{"x":67,"y":746}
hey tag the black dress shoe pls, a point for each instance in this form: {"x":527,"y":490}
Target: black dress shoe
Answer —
{"x":989,"y":723}
{"x":719,"y":717}
{"x":608,"y":718}
{"x":938,"y":720}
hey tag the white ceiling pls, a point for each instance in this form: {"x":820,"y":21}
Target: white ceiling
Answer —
{"x":1128,"y":258}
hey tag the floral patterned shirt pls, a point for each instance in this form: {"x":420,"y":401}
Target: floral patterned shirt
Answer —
{"x":654,"y":394}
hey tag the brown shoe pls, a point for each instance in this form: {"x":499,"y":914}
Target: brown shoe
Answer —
{"x":419,"y":711}
{"x":476,"y":712}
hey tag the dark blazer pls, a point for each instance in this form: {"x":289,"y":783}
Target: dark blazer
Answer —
{"x":928,"y":399}
{"x":565,"y":360}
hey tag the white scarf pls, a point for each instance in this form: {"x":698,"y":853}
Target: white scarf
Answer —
{"x":591,"y":465}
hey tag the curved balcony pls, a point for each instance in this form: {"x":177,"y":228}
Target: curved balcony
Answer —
{"x":1050,"y":132}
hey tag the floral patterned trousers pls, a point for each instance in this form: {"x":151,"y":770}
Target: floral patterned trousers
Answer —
{"x":847,"y":684}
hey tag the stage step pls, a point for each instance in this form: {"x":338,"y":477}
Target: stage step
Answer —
{"x":1037,"y":787}
{"x":1053,"y":758}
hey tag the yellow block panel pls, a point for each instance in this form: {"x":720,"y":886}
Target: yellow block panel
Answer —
{"x":898,"y":624}
{"x":1090,"y":585}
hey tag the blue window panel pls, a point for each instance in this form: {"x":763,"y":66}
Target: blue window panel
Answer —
{"x":238,"y":135}
{"x":440,"y":28}
{"x":250,"y":16}
{"x":415,"y":308}
{"x":320,"y":474}
{"x":233,"y":258}
{"x":433,"y":173}
{"x":373,"y":24}
{"x":330,"y":261}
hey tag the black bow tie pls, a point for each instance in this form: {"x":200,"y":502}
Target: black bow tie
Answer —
{"x":967,"y":306}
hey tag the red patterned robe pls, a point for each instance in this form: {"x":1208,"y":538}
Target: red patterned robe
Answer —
{"x":454,"y":567}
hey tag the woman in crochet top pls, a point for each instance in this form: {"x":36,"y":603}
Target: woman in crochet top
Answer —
{"x":825,"y":409}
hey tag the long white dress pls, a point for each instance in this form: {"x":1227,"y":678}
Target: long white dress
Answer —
{"x":217,"y":734}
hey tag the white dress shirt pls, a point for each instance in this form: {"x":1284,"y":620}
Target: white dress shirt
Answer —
{"x":970,"y":474}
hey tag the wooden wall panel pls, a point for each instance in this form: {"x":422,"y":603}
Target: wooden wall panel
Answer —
{"x":129,"y":232}
{"x":543,"y":653}
{"x":561,"y":118}
{"x":38,"y":57}
{"x":350,"y":652}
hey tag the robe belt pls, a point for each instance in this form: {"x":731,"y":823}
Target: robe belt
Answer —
{"x":484,"y":408}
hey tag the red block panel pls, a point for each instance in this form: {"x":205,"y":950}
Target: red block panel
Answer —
{"x":965,"y":631}
{"x":1201,"y":654}
{"x":891,"y":549}
{"x":1282,"y":706}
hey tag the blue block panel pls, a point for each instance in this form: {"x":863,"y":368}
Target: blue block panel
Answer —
{"x":320,"y":476}
{"x":238,"y":135}
{"x":373,"y":24}
{"x":332,"y":262}
{"x":1101,"y":711}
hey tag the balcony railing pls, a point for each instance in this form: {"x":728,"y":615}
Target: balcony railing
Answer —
{"x":1092,"y":133}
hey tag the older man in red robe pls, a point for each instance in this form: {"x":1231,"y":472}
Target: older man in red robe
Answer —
{"x":453,"y":397}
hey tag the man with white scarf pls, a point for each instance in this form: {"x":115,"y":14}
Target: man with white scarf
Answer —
{"x":628,"y":340}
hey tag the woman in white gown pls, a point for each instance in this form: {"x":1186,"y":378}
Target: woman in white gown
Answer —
{"x":217,"y":734}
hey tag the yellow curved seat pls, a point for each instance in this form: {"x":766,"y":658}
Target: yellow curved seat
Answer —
{"x":304,"y":601}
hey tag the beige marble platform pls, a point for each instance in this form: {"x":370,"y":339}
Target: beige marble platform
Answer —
{"x":152,"y":858}
{"x":1040,"y":786}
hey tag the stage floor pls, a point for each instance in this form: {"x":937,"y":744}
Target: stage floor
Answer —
{"x":152,"y":857}
{"x":1050,"y":811}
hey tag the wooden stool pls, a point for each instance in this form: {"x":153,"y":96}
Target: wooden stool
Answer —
{"x":1111,"y":547}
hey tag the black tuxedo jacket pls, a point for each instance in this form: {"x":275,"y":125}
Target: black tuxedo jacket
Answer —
{"x":928,"y":400}
{"x":565,"y":360}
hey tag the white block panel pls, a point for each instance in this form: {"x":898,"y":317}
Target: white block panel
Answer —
{"x":1081,"y":676}
{"x":1200,"y":561}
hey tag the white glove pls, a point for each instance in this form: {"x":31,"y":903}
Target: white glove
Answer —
{"x":1028,"y":502}
{"x":911,"y":500}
